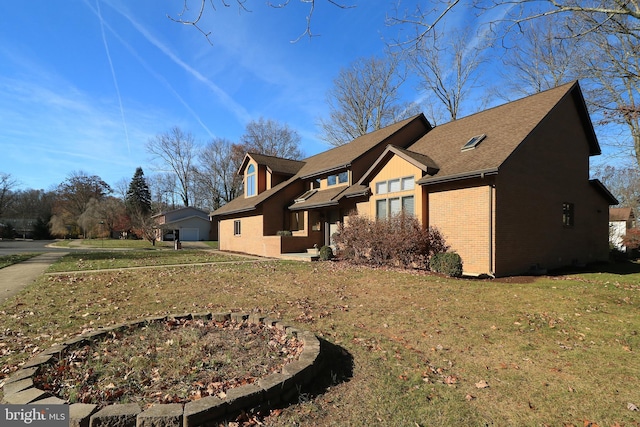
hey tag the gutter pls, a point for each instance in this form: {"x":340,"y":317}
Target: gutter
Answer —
{"x":457,"y":177}
{"x":325,"y":171}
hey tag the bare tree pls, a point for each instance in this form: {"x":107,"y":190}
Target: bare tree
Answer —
{"x":624,"y":183}
{"x":446,"y":67}
{"x":193,"y":16}
{"x":7,"y":183}
{"x":271,"y":138}
{"x":174,"y":151}
{"x":511,"y":14}
{"x":218,"y":172}
{"x":545,"y":58}
{"x":365,"y":97}
{"x":612,"y":66}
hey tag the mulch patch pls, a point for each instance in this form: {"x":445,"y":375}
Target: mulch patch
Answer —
{"x":173,"y":361}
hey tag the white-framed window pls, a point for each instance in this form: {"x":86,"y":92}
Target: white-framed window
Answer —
{"x":381,"y":208}
{"x":381,"y":187}
{"x":251,"y":181}
{"x":394,"y":185}
{"x":341,"y":178}
{"x":408,"y":183}
{"x":236,"y":227}
{"x":393,"y":206}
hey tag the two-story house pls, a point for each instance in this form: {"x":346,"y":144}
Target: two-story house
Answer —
{"x":508,"y":188}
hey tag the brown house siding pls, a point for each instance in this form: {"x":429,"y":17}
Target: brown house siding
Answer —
{"x":549,"y":168}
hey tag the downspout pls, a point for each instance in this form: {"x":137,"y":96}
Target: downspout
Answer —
{"x":491,"y":196}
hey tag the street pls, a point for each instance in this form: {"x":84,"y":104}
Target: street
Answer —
{"x":10,"y":247}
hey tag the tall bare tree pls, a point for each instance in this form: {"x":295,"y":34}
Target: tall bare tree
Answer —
{"x":365,"y":97}
{"x":175,"y":151}
{"x":7,"y":184}
{"x":545,"y":57}
{"x":446,"y":66}
{"x":612,"y":66}
{"x":271,"y":138}
{"x":217,"y":174}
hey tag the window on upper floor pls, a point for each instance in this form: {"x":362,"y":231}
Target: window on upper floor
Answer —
{"x":341,"y":178}
{"x":395,"y":185}
{"x":251,"y":181}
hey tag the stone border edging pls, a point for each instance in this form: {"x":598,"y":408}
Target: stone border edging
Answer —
{"x":271,"y":390}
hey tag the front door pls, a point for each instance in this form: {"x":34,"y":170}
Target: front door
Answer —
{"x":331,"y":226}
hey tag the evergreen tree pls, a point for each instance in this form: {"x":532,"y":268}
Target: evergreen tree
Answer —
{"x":138,"y":198}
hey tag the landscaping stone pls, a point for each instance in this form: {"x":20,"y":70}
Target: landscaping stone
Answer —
{"x":162,"y":415}
{"x":201,"y":316}
{"x":17,"y":386}
{"x":25,"y":397}
{"x":80,"y":413}
{"x":246,"y":396}
{"x":117,"y":415}
{"x":21,"y":374}
{"x":202,"y":410}
{"x":239,"y":317}
{"x":41,"y":359}
{"x":221,"y":317}
{"x":50,"y":401}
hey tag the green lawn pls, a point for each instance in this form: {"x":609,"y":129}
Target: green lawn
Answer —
{"x":8,"y":260}
{"x":103,"y":260}
{"x":412,"y":348}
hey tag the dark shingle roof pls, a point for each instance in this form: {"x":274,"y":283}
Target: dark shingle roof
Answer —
{"x":335,"y":159}
{"x":276,"y":164}
{"x":344,"y":155}
{"x":505,"y":127}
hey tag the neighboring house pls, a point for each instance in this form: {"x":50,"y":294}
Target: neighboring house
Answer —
{"x":508,"y":188}
{"x":620,"y":220}
{"x":187,"y":224}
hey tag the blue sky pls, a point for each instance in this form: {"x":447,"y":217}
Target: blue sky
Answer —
{"x":84,"y":84}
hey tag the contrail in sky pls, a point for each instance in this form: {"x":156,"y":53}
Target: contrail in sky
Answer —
{"x":113,"y":74}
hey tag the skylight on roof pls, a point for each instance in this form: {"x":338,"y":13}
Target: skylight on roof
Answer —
{"x":306,"y":195}
{"x":473,"y":142}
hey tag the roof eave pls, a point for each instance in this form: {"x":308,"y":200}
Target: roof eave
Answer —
{"x":429,"y":180}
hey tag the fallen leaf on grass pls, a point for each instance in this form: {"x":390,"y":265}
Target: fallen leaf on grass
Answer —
{"x":632,"y":407}
{"x":482,"y":384}
{"x":451,"y":379}
{"x":469,"y":397}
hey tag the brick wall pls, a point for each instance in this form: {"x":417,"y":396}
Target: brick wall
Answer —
{"x":464,"y":217}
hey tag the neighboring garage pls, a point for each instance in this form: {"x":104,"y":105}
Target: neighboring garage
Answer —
{"x":189,"y":224}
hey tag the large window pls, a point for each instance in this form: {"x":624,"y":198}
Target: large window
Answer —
{"x":568,"y":214}
{"x":392,"y":206}
{"x":236,"y":227}
{"x":251,"y":181}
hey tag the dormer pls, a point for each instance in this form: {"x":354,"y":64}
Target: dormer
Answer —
{"x":261,"y":173}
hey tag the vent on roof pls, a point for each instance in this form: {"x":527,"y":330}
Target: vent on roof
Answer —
{"x":473,"y":142}
{"x":306,"y":195}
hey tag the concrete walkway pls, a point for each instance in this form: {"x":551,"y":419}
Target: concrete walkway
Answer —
{"x":15,"y":278}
